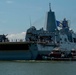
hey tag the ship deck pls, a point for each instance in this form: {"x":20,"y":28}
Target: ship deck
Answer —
{"x":14,"y":45}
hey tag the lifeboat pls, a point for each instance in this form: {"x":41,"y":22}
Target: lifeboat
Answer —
{"x":73,"y":53}
{"x":55,"y":54}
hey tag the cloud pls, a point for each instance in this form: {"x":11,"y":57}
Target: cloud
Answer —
{"x":17,"y":36}
{"x":9,"y":1}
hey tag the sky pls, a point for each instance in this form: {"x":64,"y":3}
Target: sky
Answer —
{"x":15,"y":15}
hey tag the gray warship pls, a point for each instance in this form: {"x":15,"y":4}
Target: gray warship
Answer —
{"x":56,"y":37}
{"x":56,"y":41}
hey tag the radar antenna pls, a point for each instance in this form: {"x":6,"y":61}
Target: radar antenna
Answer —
{"x":50,"y":6}
{"x":30,"y":22}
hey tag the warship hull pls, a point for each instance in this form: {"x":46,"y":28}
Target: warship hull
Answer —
{"x":17,"y":51}
{"x":30,"y":51}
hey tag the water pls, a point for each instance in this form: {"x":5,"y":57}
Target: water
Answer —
{"x":34,"y":68}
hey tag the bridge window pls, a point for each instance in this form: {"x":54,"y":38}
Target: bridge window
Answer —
{"x":65,"y":40}
{"x":60,"y":38}
{"x":74,"y":40}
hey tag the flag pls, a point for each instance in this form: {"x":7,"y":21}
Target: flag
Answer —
{"x":57,"y":23}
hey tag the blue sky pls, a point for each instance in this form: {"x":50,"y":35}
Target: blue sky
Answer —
{"x":15,"y":14}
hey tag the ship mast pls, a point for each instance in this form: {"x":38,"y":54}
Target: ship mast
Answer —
{"x":51,"y":21}
{"x":50,"y":6}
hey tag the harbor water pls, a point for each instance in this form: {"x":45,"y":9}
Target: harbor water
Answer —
{"x":37,"y":68}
